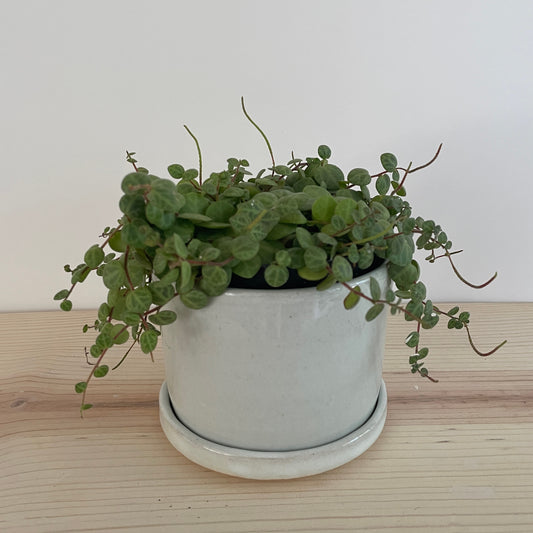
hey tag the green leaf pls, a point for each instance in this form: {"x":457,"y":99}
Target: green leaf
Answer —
{"x":195,"y":217}
{"x":195,"y":203}
{"x":366,"y":257}
{"x":179,"y":246}
{"x":215,"y":280}
{"x":453,"y":310}
{"x":265,"y":200}
{"x":115,"y":242}
{"x":244,"y":248}
{"x":293,"y":216}
{"x":345,"y":208}
{"x":328,"y":176}
{"x":375,"y":289}
{"x":119,"y":333}
{"x":80,"y":387}
{"x":163,"y":318}
{"x":131,"y":319}
{"x":148,"y":340}
{"x":305,"y":239}
{"x":464,"y":317}
{"x":66,"y":305}
{"x":418,"y":291}
{"x":342,"y":269}
{"x":221,"y":210}
{"x":311,"y":191}
{"x":282,"y":170}
{"x":383,"y":184}
{"x":95,"y":350}
{"x":312,"y":275}
{"x":352,"y":298}
{"x":415,"y":308}
{"x":94,"y":256}
{"x":374,"y":311}
{"x":158,"y":217}
{"x":139,"y":300}
{"x":61,"y":295}
{"x":170,"y":277}
{"x":190,"y":174}
{"x":423,"y":352}
{"x":389,"y":162}
{"x":194,"y":299}
{"x":404,"y":277}
{"x":359,"y":176}
{"x":412,"y":339}
{"x":139,"y":234}
{"x":86,"y":406}
{"x":283,"y":258}
{"x":326,"y":283}
{"x":186,"y":274}
{"x":324,"y":151}
{"x":233,"y":192}
{"x":338,"y":223}
{"x":326,"y":239}
{"x":101,"y":371}
{"x":276,"y":275}
{"x":263,"y":224}
{"x":80,"y":273}
{"x":323,"y":208}
{"x":353,"y":253}
{"x":103,"y":312}
{"x":315,"y":258}
{"x":176,"y":171}
{"x":133,"y":181}
{"x":400,"y":250}
{"x":248,"y":269}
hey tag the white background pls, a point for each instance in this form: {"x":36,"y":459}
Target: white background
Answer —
{"x":84,"y":81}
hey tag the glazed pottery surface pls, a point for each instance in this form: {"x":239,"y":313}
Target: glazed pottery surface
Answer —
{"x":276,"y":370}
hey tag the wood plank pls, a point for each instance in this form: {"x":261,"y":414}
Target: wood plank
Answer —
{"x":454,"y":456}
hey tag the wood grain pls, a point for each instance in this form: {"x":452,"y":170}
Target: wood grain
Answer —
{"x":454,"y":456}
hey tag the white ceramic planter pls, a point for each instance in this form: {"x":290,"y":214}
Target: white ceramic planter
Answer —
{"x":275,"y":383}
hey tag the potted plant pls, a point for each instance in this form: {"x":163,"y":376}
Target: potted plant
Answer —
{"x":269,"y":293}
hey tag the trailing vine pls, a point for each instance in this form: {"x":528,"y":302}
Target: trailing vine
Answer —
{"x":188,"y":237}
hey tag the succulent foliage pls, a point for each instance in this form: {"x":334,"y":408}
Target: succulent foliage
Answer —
{"x":186,"y":237}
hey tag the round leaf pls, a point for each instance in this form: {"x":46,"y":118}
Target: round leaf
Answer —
{"x":66,"y":305}
{"x":244,"y":248}
{"x":315,"y":258}
{"x":389,"y":162}
{"x":323,"y":208}
{"x":94,"y":256}
{"x":194,"y":299}
{"x":383,"y":184}
{"x":324,"y":151}
{"x":61,"y":295}
{"x":139,"y":300}
{"x":101,"y":371}
{"x":342,"y":269}
{"x":374,"y":311}
{"x":148,"y":340}
{"x":176,"y":171}
{"x":359,"y":176}
{"x":276,"y":275}
{"x":163,"y":318}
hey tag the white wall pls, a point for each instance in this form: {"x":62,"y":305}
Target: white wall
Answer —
{"x":84,"y":81}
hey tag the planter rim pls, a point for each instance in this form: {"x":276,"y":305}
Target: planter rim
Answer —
{"x":231,"y":291}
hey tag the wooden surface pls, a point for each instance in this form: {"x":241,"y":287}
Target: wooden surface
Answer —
{"x":454,"y":456}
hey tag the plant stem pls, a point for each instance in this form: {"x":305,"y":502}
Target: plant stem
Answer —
{"x":260,"y":131}
{"x":199,"y":153}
